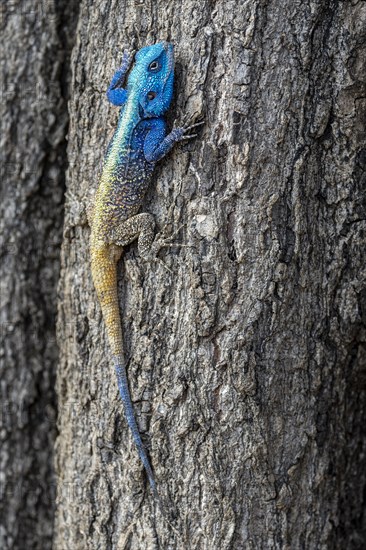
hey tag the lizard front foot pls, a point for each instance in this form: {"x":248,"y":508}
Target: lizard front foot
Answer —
{"x":127,"y":59}
{"x":183,"y":132}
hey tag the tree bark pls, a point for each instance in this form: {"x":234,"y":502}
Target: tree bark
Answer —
{"x":247,"y":360}
{"x":35,"y":50}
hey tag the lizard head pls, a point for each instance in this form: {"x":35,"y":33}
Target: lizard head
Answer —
{"x":153,"y":75}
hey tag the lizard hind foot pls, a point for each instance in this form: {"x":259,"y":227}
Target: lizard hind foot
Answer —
{"x":167,"y":242}
{"x":163,"y":242}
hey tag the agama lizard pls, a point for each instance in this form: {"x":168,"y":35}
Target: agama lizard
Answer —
{"x":139,"y":141}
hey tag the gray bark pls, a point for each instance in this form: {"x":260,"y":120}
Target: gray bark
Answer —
{"x":33,"y":156}
{"x":247,"y":362}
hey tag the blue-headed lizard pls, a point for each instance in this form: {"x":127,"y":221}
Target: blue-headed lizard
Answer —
{"x":139,"y":141}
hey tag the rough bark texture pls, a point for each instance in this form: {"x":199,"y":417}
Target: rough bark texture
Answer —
{"x":247,"y":362}
{"x":33,"y":157}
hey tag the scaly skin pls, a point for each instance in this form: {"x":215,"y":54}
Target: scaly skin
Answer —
{"x":139,"y":141}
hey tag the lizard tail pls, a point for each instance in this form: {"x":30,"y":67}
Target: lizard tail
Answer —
{"x":104,"y":271}
{"x":131,"y":420}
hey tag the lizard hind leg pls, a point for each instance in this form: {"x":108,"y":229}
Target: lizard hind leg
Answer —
{"x":141,"y":227}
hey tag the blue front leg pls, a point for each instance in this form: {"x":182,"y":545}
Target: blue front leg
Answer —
{"x":157,"y":144}
{"x":116,"y":94}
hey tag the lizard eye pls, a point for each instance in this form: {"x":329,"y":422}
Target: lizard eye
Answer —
{"x":151,"y":96}
{"x":154,"y":66}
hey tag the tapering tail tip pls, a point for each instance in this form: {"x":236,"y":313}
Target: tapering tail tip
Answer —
{"x":131,"y":420}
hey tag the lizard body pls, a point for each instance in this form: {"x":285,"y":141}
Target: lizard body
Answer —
{"x":139,"y":141}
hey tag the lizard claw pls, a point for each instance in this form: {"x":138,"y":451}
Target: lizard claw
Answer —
{"x":189,"y":136}
{"x":190,"y":126}
{"x":184,"y":131}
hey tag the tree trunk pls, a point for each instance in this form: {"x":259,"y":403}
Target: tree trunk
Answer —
{"x":246,"y":359}
{"x":35,"y":50}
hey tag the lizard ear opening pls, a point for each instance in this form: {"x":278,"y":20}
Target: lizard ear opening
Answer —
{"x":151,"y":95}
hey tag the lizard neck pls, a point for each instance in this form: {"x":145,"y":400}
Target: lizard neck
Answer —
{"x":128,"y":120}
{"x":115,"y":164}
